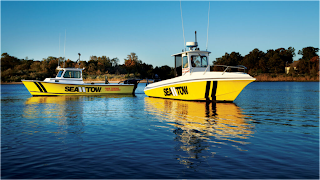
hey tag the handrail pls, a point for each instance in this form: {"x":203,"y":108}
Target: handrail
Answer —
{"x":205,"y":70}
{"x":240,"y":67}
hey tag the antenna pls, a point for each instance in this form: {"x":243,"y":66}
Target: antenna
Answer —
{"x":79,"y":60}
{"x":208,"y":27}
{"x":59,"y":52}
{"x":64,"y":50}
{"x":195,"y":34}
{"x":184,"y":39}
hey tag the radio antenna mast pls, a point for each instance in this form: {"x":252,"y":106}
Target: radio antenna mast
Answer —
{"x":59,"y":52}
{"x":208,"y":27}
{"x":184,"y":39}
{"x":64,"y":50}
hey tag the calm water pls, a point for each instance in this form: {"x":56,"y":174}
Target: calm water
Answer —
{"x":270,"y":131}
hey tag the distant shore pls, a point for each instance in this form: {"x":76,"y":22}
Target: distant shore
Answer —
{"x":284,"y":78}
{"x":259,"y":78}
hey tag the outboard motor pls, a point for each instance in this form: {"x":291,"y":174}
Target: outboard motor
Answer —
{"x":132,"y":81}
{"x":106,"y":80}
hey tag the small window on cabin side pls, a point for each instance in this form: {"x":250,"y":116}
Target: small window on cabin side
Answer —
{"x":185,"y":61}
{"x":59,"y":73}
{"x":72,"y":74}
{"x":77,"y":74}
{"x":178,"y":65}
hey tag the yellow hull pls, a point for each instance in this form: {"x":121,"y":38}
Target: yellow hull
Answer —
{"x":41,"y":88}
{"x":201,"y":90}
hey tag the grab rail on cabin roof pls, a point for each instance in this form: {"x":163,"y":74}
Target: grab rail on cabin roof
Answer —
{"x":239,"y":67}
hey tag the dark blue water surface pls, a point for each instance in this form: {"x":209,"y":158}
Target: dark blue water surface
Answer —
{"x":270,"y":131}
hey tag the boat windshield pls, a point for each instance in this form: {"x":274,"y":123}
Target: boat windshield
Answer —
{"x":199,"y":61}
{"x":59,"y":73}
{"x":72,"y":74}
{"x":185,"y":61}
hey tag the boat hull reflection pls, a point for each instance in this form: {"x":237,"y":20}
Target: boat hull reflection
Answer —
{"x":64,"y":99}
{"x":202,"y":116}
{"x":202,"y":126}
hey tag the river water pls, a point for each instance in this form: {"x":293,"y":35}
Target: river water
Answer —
{"x":270,"y":131}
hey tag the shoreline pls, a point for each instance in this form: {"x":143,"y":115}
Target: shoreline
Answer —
{"x":284,"y":78}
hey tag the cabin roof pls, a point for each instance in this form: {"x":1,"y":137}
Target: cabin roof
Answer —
{"x":70,"y":69}
{"x":195,"y":51}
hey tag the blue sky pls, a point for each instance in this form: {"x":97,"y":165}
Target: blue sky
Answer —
{"x":153,"y":29}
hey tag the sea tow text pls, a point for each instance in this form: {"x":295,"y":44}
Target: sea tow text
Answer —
{"x":175,"y":91}
{"x":82,"y":89}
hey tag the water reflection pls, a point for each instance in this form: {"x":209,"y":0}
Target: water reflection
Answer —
{"x":65,"y":111}
{"x":60,"y":115}
{"x":202,"y":127}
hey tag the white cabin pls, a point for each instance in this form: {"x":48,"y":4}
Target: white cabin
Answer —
{"x":190,"y":61}
{"x":68,"y":75}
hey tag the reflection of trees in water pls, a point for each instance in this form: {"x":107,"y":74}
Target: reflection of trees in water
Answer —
{"x":201,"y":128}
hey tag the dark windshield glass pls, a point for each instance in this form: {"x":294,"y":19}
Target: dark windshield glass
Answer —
{"x":185,"y":61}
{"x":72,"y":74}
{"x":178,"y":65}
{"x":59,"y":73}
{"x":199,"y":61}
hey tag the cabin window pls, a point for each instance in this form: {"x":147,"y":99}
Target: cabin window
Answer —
{"x":185,"y":61}
{"x":59,"y":73}
{"x":178,"y":65}
{"x":72,"y":74}
{"x":199,"y":61}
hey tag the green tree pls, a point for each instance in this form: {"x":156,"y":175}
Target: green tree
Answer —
{"x":145,"y":70}
{"x":304,"y":66}
{"x":275,"y":63}
{"x":287,"y":54}
{"x":8,"y":61}
{"x":308,"y":53}
{"x":133,"y":57}
{"x":132,"y":62}
{"x":164,"y":72}
{"x":232,"y":59}
{"x":114,"y":62}
{"x":253,"y":59}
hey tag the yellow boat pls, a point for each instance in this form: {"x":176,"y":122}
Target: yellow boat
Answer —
{"x":196,"y":82}
{"x":69,"y":81}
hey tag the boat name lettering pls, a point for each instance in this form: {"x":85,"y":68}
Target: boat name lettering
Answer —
{"x":175,"y":91}
{"x":113,"y":89}
{"x":82,"y":89}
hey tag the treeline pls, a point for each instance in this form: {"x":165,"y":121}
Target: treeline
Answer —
{"x":257,"y":62}
{"x":274,"y":61}
{"x":14,"y":69}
